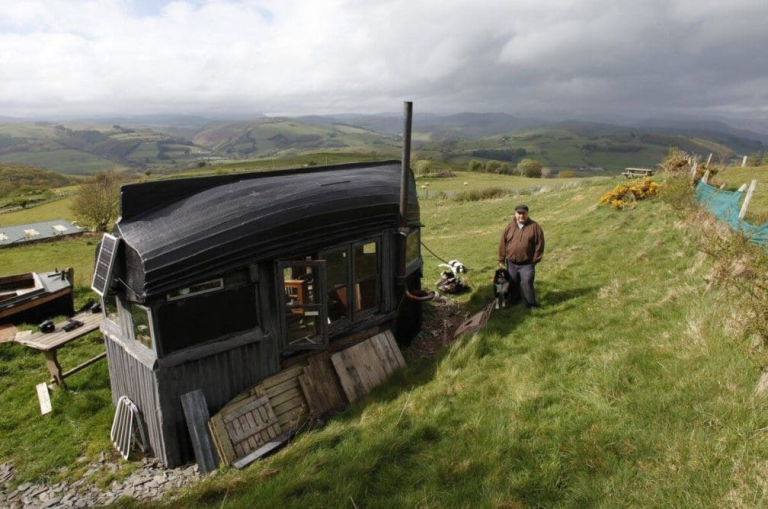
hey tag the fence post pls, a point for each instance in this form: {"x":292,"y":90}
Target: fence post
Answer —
{"x":743,"y":211}
{"x":744,"y":162}
{"x":693,"y":169}
{"x":709,"y":160}
{"x":705,"y":178}
{"x":742,"y":188}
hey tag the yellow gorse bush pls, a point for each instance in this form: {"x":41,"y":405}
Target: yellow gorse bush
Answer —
{"x":625,"y":196}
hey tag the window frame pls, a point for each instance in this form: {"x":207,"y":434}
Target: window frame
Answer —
{"x":220,"y":287}
{"x":320,"y":304}
{"x":131,"y":327}
{"x":117,"y":308}
{"x":366,"y":313}
{"x":412,"y":266}
{"x":338,"y":324}
{"x":160,"y":348}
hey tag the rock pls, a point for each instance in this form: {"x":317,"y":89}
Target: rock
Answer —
{"x":140,"y":481}
{"x":159,"y":479}
{"x":51,"y":502}
{"x":24,"y":487}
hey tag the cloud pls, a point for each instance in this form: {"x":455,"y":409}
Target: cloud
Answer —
{"x":559,"y":57}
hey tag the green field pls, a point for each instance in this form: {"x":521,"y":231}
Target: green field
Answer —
{"x":59,"y":209}
{"x":733,"y":178}
{"x":633,"y":386}
{"x":63,"y":160}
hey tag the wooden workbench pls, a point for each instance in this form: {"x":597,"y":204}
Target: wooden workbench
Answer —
{"x":49,"y":344}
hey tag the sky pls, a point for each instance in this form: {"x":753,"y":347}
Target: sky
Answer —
{"x":539,"y":58}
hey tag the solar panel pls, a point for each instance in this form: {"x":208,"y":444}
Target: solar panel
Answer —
{"x":102,"y":274}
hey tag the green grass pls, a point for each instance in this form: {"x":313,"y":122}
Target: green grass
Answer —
{"x":59,"y":209}
{"x":64,"y":160}
{"x":627,"y":389}
{"x":76,"y":253}
{"x":479,"y":181}
{"x":631,"y":387}
{"x":757,"y":212}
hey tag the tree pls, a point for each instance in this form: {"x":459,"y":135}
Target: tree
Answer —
{"x":97,"y":201}
{"x":474,"y":165}
{"x":423,"y":167}
{"x":530,"y":168}
{"x":492,"y":166}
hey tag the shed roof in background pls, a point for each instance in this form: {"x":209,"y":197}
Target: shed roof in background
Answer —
{"x":31,"y":232}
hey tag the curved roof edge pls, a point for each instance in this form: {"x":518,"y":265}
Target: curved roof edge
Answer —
{"x":140,"y":198}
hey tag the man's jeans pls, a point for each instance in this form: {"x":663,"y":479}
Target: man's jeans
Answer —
{"x":522,"y":277}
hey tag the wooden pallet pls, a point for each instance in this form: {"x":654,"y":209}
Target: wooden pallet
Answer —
{"x":321,"y":386}
{"x":259,"y":416}
{"x":241,"y":429}
{"x":366,"y":365}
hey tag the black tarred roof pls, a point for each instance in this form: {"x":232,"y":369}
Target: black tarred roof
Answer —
{"x":177,"y":232}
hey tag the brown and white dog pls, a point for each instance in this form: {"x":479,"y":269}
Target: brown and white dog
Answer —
{"x":502,"y":286}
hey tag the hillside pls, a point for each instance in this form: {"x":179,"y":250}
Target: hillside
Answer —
{"x":18,"y":177}
{"x":279,"y":136}
{"x":85,"y":148}
{"x":633,"y":386}
{"x":168,"y":143}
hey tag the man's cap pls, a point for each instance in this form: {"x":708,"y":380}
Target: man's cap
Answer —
{"x":521,"y":208}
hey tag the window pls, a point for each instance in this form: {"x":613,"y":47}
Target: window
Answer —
{"x":366,"y":267}
{"x":109,"y":307}
{"x":200,"y":288}
{"x":337,"y":269}
{"x":141,"y":324}
{"x":304,"y":304}
{"x":207,"y":316}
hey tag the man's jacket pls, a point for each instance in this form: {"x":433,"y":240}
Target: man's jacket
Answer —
{"x":522,"y":246}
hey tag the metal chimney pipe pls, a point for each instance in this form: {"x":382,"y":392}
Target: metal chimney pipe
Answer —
{"x":405,"y":165}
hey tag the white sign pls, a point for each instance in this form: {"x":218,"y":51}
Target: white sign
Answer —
{"x":44,"y":398}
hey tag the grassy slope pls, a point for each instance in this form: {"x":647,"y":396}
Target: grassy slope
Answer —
{"x":632,"y":387}
{"x":757,"y":213}
{"x":59,"y":209}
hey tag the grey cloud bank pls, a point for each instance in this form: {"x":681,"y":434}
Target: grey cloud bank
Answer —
{"x":584,"y":58}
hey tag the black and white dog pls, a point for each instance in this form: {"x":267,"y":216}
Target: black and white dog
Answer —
{"x":455,"y":267}
{"x":502,"y":287}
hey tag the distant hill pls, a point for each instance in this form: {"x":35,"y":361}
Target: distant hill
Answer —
{"x":471,"y":126}
{"x":16,"y":177}
{"x":285,"y":136}
{"x":86,"y":148}
{"x":741,"y":140}
{"x":170,"y":143}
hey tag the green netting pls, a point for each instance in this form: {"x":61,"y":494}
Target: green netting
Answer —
{"x":725,"y":206}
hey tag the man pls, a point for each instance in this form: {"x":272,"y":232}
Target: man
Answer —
{"x":522,"y":247}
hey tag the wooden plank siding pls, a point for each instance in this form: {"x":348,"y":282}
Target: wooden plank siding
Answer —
{"x":129,"y":377}
{"x":221,"y":377}
{"x":157,"y":393}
